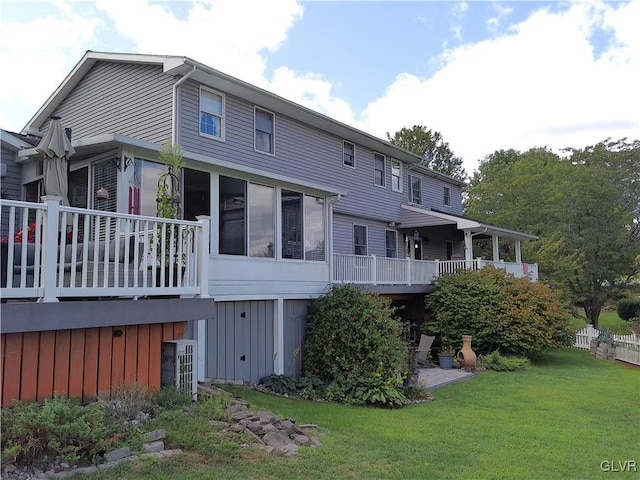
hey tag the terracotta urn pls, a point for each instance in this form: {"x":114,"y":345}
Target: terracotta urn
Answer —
{"x":466,"y":357}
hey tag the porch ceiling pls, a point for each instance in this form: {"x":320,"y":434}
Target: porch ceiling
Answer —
{"x":414,"y":217}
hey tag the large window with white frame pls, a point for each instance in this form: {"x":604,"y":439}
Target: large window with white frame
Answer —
{"x":247,"y":218}
{"x":262,"y":220}
{"x":391,"y":243}
{"x":303,"y":226}
{"x":264,"y":131}
{"x":415,"y":190}
{"x":212,"y":106}
{"x":348,"y":154}
{"x":379,"y":169}
{"x":396,"y":176}
{"x":360,"y":240}
{"x":446,"y":199}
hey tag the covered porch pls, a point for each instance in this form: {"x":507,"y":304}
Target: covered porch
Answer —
{"x":423,"y":263}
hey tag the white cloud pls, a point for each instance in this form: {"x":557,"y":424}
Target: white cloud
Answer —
{"x":39,"y":52}
{"x":231,"y":36}
{"x":538,"y":86}
{"x":311,"y":91}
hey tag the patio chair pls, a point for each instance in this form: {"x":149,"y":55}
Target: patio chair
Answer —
{"x":423,"y":351}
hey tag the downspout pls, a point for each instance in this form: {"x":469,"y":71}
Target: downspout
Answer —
{"x":174,"y":107}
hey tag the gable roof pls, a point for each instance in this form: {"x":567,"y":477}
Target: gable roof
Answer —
{"x":180,"y":66}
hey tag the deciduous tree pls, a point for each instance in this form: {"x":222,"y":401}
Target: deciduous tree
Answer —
{"x":434,"y":151}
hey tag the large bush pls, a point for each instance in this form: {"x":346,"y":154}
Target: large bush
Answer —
{"x":353,"y":338}
{"x":628,"y":308}
{"x":513,"y":315}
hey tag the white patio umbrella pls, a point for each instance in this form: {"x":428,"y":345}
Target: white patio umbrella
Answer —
{"x":56,"y":148}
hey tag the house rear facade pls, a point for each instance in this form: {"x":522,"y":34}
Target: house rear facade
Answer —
{"x":278,"y":202}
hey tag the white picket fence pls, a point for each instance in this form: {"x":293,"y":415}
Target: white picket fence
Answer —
{"x":627,"y":346}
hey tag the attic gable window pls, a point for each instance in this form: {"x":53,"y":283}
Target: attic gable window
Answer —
{"x":212,"y":113}
{"x":349,"y":154}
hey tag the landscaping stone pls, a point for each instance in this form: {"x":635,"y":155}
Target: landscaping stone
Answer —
{"x":153,"y":436}
{"x":152,"y":447}
{"x":118,"y":454}
{"x":277,"y":439}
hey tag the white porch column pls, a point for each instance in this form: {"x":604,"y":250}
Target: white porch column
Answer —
{"x":468,"y":246}
{"x":518,"y":251}
{"x":278,"y":336}
{"x":495,"y":245}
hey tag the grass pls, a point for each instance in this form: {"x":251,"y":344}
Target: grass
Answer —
{"x":559,"y":419}
{"x":607,"y":319}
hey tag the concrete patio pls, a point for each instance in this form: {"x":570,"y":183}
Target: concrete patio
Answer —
{"x":437,"y":377}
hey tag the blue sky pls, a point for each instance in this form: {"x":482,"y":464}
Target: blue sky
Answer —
{"x":487,"y":75}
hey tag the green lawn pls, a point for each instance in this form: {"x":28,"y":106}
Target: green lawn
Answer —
{"x":558,"y":420}
{"x":607,"y":319}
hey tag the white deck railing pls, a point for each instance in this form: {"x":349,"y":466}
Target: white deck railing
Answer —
{"x":50,"y":251}
{"x":375,"y":270}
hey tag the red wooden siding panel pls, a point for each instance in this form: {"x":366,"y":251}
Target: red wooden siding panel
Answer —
{"x":29,"y":370}
{"x":143,"y":354}
{"x":76,"y":362}
{"x":117,"y":358}
{"x":12,"y":363}
{"x":91,"y":351}
{"x":82,"y":362}
{"x":131,"y":355}
{"x":104,"y":362}
{"x":155,"y":341}
{"x":46,"y":358}
{"x":61,"y":363}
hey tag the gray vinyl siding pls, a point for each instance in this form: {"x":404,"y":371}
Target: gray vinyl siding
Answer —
{"x":435,"y":246}
{"x":11,"y":184}
{"x":300,"y":150}
{"x":128,"y":99}
{"x":295,"y":327}
{"x":376,"y":240}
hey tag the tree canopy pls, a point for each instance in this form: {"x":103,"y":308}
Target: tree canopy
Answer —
{"x":585,"y":207}
{"x":435,"y":152}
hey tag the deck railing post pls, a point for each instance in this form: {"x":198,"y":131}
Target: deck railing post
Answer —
{"x":374,"y":270}
{"x":408,"y":271}
{"x":202,"y":260}
{"x":50,"y":249}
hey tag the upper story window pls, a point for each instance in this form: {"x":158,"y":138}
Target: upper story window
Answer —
{"x":378,"y":169}
{"x":447,"y":196}
{"x":349,"y":154}
{"x":391,"y":243}
{"x":359,"y":240}
{"x":415,"y":190}
{"x":265,"y":125}
{"x":396,"y":176}
{"x":211,"y":113}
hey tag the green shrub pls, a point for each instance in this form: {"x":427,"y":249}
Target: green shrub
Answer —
{"x":354,"y":339}
{"x":56,"y":430}
{"x":514,"y":315}
{"x":170,"y":398}
{"x":628,"y":308}
{"x":307,"y":388}
{"x":495,"y":361}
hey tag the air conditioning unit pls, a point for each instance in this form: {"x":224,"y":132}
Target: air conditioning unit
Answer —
{"x":179,"y":365}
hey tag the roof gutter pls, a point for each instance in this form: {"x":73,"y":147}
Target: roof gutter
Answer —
{"x":174,"y":107}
